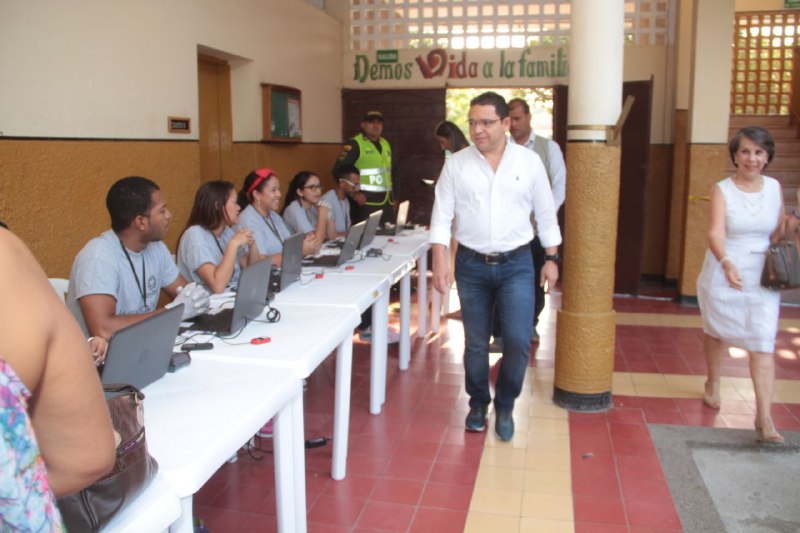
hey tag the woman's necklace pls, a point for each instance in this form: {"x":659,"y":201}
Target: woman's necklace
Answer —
{"x":752,"y":200}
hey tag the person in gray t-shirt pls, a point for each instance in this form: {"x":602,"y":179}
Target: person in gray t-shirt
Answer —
{"x":347,"y":184}
{"x":117,"y":277}
{"x":302,"y":210}
{"x":260,"y":199}
{"x":211,"y":252}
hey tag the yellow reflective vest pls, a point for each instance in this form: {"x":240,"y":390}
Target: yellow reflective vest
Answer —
{"x":375,"y":168}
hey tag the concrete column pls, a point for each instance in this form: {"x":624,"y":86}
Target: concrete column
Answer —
{"x":586,"y":322}
{"x":707,"y":130}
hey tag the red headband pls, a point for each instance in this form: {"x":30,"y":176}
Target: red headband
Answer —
{"x":262,"y":174}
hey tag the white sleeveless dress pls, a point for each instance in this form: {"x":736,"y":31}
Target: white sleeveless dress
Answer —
{"x":747,"y":318}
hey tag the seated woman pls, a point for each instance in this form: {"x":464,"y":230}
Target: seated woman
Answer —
{"x":211,"y":252}
{"x":260,"y":199}
{"x":302,"y":210}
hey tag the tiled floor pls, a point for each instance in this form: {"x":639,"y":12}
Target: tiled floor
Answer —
{"x":414,"y":468}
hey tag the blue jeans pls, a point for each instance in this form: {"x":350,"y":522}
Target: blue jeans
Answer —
{"x":481,"y":287}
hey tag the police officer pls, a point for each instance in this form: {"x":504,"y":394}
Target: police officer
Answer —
{"x":372,"y":155}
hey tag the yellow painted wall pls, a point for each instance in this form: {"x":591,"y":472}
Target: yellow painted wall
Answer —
{"x":52,"y":192}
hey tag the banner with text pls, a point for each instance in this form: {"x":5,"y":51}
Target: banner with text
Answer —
{"x":515,"y":67}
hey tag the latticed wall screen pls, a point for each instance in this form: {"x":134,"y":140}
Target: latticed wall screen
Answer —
{"x":763,"y":48}
{"x":459,"y":24}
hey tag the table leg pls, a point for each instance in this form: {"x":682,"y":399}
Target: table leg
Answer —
{"x":405,"y":319}
{"x":341,"y":410}
{"x":184,"y":522}
{"x":290,"y":486}
{"x":422,"y":294}
{"x":377,"y":381}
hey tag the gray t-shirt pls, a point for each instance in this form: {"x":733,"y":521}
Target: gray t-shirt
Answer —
{"x":269,"y":232}
{"x":199,"y":246}
{"x":101,"y":267}
{"x":339,"y":208}
{"x":299,"y":219}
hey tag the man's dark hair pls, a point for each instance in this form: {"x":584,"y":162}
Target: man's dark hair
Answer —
{"x":127,"y":199}
{"x":520,"y":102}
{"x":492,"y":98}
{"x":345,"y":170}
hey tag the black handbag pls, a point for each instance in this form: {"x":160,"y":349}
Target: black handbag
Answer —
{"x":93,"y":507}
{"x":782,"y":266}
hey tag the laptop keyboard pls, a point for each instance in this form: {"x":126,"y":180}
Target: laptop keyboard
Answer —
{"x":218,"y":322}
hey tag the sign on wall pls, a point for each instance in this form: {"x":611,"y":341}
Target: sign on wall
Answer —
{"x":535,"y":65}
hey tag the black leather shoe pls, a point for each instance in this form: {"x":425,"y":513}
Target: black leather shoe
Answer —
{"x":504,"y":425}
{"x":476,"y":419}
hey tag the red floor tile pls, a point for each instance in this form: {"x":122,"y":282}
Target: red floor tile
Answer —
{"x":429,"y":520}
{"x":413,"y":467}
{"x":447,"y":496}
{"x":336,"y":511}
{"x":599,"y":509}
{"x":354,"y":486}
{"x":381,"y":516}
{"x":398,"y":491}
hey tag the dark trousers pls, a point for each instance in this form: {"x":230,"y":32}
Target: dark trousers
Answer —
{"x":537,"y":251}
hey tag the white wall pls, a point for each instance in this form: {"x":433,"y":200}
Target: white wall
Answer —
{"x":100,"y":69}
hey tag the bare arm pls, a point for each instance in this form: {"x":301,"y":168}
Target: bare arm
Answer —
{"x":100,"y":314}
{"x":716,"y":238}
{"x":549,"y":272}
{"x":217,"y":277}
{"x":442,"y":277}
{"x":42,"y":342}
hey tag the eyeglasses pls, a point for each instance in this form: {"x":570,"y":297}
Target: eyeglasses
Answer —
{"x":486,"y":122}
{"x":315,"y":186}
{"x":350,"y":183}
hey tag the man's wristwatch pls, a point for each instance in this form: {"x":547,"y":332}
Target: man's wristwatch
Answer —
{"x":555,"y":257}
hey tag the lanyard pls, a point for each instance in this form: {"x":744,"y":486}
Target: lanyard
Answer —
{"x":343,"y":205}
{"x":216,"y":240}
{"x":141,"y":286}
{"x":272,"y":226}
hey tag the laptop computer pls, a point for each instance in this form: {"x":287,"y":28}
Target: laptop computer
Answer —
{"x":139,"y":354}
{"x":370,"y":230}
{"x":351,"y":243}
{"x":400,"y":221}
{"x":291,"y":265}
{"x":249,"y":303}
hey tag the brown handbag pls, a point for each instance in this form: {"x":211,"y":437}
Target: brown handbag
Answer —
{"x":93,"y":507}
{"x":782,"y":266}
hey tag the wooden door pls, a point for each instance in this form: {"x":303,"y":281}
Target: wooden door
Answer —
{"x":633,"y":188}
{"x":410,"y":117}
{"x":216,"y":124}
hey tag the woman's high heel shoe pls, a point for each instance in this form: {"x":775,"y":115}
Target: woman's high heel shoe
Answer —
{"x":768,"y":434}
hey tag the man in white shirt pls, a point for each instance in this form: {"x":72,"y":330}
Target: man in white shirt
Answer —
{"x":490,"y":189}
{"x":548,"y":150}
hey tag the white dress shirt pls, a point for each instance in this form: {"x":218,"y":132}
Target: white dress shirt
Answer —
{"x":493,"y":209}
{"x":557,"y":171}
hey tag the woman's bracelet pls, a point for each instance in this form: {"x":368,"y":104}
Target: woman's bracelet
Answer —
{"x":724,"y":259}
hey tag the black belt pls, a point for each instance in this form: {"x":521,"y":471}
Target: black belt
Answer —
{"x":496,"y":258}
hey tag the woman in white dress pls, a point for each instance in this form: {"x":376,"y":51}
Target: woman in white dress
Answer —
{"x":746,"y":215}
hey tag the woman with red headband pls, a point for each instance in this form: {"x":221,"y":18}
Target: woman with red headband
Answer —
{"x":260,"y":200}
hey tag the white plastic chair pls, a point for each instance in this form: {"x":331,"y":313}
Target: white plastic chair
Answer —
{"x":61,"y":286}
